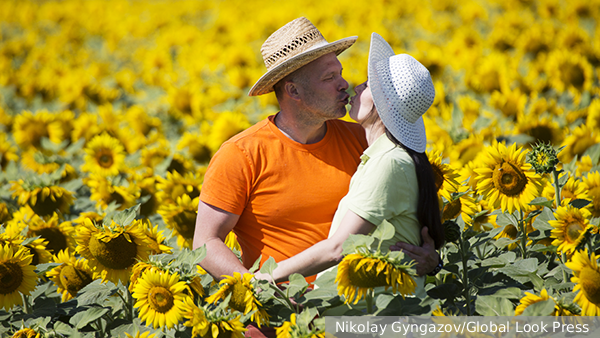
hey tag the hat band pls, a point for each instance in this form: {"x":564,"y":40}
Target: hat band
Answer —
{"x":289,"y":48}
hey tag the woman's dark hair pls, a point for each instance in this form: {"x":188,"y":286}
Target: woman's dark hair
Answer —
{"x":428,"y":209}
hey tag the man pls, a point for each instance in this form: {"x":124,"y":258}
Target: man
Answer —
{"x":277,"y":184}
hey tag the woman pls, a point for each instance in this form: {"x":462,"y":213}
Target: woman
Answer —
{"x":394,"y":182}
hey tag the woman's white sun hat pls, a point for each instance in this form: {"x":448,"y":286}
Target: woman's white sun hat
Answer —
{"x":402,"y":91}
{"x":292,"y":46}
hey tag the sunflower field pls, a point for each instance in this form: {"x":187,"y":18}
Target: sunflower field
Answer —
{"x":111,"y":110}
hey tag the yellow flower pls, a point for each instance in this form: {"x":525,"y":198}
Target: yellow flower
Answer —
{"x":231,"y":242}
{"x":542,"y":130}
{"x":584,"y":166}
{"x":360,"y":272}
{"x":44,"y":199}
{"x":572,"y":190}
{"x":197,"y":146}
{"x":569,"y":71}
{"x":17,"y":275}
{"x":36,"y":247}
{"x":105,"y":156}
{"x":506,"y":179}
{"x":176,"y":185}
{"x":243,"y":297}
{"x":113,"y":249}
{"x":444,"y":174}
{"x":226,"y":125}
{"x":510,"y":102}
{"x":569,"y":227}
{"x":464,"y":205}
{"x":29,"y":129}
{"x":530,"y":299}
{"x":587,"y":276}
{"x":592,"y":183}
{"x":146,"y":334}
{"x":181,"y":218}
{"x":71,"y":275}
{"x":59,"y":235}
{"x":107,"y":190}
{"x":26,"y":333}
{"x":579,"y":140}
{"x":8,"y":152}
{"x":160,"y":298}
{"x":212,"y":323}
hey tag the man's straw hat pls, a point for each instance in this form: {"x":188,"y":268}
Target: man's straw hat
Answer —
{"x":292,"y":46}
{"x":402,"y":91}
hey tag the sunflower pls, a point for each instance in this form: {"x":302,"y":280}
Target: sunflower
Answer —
{"x":59,"y":235}
{"x":113,"y":249}
{"x":105,"y":156}
{"x":541,"y":130}
{"x":106,"y":191}
{"x":530,"y":299}
{"x":232,"y":242}
{"x":593,"y":115}
{"x":156,"y":239}
{"x":569,"y":227}
{"x":181,"y":218}
{"x":484,"y":219}
{"x":506,"y":180}
{"x":572,"y":189}
{"x":466,"y":150}
{"x":444,"y":174}
{"x":160,"y":298}
{"x":293,"y":328}
{"x":29,"y":129}
{"x":71,"y":275}
{"x":8,"y":152}
{"x":197,"y":147}
{"x":176,"y":185}
{"x":461,"y":203}
{"x":139,"y":334}
{"x":511,"y":103}
{"x":359,"y":272}
{"x":147,"y":185}
{"x":17,"y":275}
{"x":5,"y":213}
{"x":26,"y":333}
{"x":592,"y":183}
{"x":44,"y":199}
{"x":569,"y":71}
{"x":579,"y":140}
{"x":584,"y":166}
{"x":587,"y":276}
{"x":243,"y":296}
{"x":212,"y":323}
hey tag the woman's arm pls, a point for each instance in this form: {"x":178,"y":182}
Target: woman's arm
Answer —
{"x":324,"y":254}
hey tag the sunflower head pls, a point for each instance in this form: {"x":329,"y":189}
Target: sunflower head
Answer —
{"x":451,"y":231}
{"x":587,"y":276}
{"x":569,"y":227}
{"x":243,"y":297}
{"x":26,"y":333}
{"x":212,"y":322}
{"x":105,"y":156}
{"x":71,"y":275}
{"x":181,"y":218}
{"x":42,"y":195}
{"x":543,"y":158}
{"x":17,"y":275}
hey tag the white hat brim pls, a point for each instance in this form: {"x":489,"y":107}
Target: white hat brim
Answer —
{"x":266,"y":82}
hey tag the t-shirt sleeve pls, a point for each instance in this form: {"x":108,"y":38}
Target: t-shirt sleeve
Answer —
{"x":385,"y":191}
{"x":228,"y":179}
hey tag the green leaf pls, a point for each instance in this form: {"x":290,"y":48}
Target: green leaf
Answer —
{"x":494,"y":306}
{"x":126,"y":216}
{"x":543,"y":308}
{"x":297,"y":284}
{"x":81,"y":319}
{"x":444,"y":291}
{"x":355,"y":241}
{"x":580,"y":203}
{"x":541,"y":201}
{"x":256,"y":264}
{"x":269,"y":266}
{"x":509,"y":293}
{"x":95,"y":293}
{"x":384,"y":231}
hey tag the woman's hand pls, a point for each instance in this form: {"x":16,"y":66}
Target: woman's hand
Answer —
{"x":425,"y":255}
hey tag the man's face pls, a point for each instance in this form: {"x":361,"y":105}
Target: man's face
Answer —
{"x":324,"y":90}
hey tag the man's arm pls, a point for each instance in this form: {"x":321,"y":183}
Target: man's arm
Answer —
{"x":212,"y":226}
{"x":425,"y":255}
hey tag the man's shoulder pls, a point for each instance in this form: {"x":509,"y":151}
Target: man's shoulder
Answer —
{"x":251,"y":135}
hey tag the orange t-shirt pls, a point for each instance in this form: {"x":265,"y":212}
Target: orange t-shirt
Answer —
{"x":285,"y":192}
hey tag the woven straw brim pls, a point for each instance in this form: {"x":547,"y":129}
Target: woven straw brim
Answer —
{"x":265,"y":84}
{"x":412,"y":135}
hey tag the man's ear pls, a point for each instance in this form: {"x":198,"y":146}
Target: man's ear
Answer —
{"x":292,"y":90}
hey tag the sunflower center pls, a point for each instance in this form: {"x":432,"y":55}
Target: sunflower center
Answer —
{"x":438,"y":176}
{"x":74,"y":279}
{"x":541,"y":133}
{"x":105,"y":158}
{"x":572,"y":231}
{"x":161,"y":299}
{"x":185,"y":223}
{"x":452,"y":209}
{"x":46,"y":206}
{"x":590,"y":284}
{"x":117,"y":253}
{"x":365,"y":277}
{"x":56,"y":239}
{"x":238,"y":297}
{"x":509,"y":179}
{"x":573,"y":74}
{"x":511,"y":231}
{"x":11,"y":277}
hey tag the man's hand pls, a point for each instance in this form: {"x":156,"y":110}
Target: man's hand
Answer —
{"x":425,"y":256}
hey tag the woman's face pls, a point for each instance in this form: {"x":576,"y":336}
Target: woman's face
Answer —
{"x":361,"y":103}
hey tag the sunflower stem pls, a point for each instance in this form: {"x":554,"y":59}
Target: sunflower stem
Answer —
{"x":369,"y":299}
{"x":129,"y":304}
{"x":283,"y":299}
{"x":523,"y":230}
{"x":563,"y":259}
{"x":26,"y":307}
{"x":465,"y":258}
{"x":556,"y":188}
